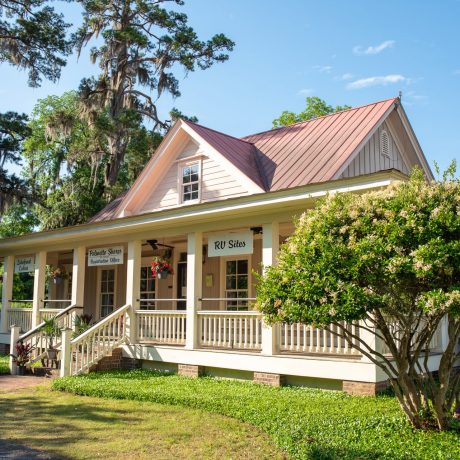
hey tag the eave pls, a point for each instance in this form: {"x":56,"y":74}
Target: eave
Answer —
{"x":250,"y":205}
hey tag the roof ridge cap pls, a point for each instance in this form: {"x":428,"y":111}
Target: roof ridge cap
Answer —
{"x":218,"y":132}
{"x":318,"y":118}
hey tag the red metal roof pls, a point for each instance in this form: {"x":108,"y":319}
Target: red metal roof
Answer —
{"x":239,"y":152}
{"x":314,"y":151}
{"x":304,"y":153}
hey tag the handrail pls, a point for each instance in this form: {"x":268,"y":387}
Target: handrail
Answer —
{"x":37,"y":328}
{"x":160,"y":300}
{"x":100,"y":323}
{"x":20,"y":301}
{"x":226,"y":298}
{"x":55,"y":300}
{"x":228,"y":312}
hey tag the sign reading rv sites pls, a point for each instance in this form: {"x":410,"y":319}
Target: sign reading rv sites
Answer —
{"x":230,"y":244}
{"x":105,"y":256}
{"x":24,"y":264}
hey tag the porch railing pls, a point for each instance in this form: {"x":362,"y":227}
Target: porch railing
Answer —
{"x":161,"y":326}
{"x":230,"y":330}
{"x":97,"y":342}
{"x":21,"y":317}
{"x":308,"y":339}
{"x":40,"y":342}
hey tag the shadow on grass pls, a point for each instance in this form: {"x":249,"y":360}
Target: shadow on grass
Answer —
{"x":37,"y":419}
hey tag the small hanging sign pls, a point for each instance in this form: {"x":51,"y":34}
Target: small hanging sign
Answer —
{"x":105,"y":256}
{"x":230,"y":244}
{"x":24,"y":264}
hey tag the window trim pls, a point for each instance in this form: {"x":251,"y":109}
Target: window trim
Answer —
{"x":181,"y":165}
{"x":146,"y":262}
{"x":223,"y":273}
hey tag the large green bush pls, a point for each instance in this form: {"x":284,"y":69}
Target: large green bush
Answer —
{"x":389,"y":259}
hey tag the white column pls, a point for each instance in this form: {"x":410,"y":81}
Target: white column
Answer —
{"x":133,"y":280}
{"x":7,"y":291}
{"x":14,"y":338}
{"x":39,"y":286}
{"x":78,"y":276}
{"x":66,"y":352}
{"x":270,"y":247}
{"x":194,"y":286}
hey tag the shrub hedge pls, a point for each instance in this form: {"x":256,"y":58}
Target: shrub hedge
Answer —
{"x":306,"y":423}
{"x":4,"y":364}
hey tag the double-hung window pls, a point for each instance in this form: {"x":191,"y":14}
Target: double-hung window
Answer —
{"x":190,"y":182}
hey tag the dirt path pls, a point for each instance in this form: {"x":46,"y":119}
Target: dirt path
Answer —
{"x":16,"y":382}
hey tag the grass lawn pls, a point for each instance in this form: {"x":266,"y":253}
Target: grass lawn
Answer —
{"x":305,"y":423}
{"x":4,"y":364}
{"x":86,"y":427}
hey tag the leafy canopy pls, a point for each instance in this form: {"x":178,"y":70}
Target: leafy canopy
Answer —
{"x":315,"y":107}
{"x":33,"y":37}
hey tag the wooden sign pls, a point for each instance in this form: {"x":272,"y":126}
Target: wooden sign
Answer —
{"x":230,"y":244}
{"x":24,"y":264}
{"x":105,"y":256}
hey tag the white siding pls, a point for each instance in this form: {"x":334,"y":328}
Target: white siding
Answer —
{"x":189,"y":150}
{"x":370,"y":160}
{"x":216,"y":183}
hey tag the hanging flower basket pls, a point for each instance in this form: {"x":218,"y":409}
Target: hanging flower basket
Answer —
{"x":57,"y":274}
{"x":161,"y":268}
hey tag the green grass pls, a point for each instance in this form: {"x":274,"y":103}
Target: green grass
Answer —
{"x":305,"y":423}
{"x":75,"y":427}
{"x":4,"y":364}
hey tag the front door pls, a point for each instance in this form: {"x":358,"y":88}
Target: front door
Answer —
{"x":182,"y":281}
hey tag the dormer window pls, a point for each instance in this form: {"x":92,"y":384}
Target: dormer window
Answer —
{"x":190,"y":182}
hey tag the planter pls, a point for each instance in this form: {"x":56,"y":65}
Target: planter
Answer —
{"x":162,"y":275}
{"x":51,"y":354}
{"x":57,"y":280}
{"x":21,"y":370}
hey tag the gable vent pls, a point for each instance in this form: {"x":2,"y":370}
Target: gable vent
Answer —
{"x":385,"y":148}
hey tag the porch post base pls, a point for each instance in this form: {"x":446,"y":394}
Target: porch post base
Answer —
{"x":265,"y":378}
{"x":364,"y":388}
{"x":188,"y":370}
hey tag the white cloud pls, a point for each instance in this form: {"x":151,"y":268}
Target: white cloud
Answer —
{"x":377,"y":81}
{"x":411,"y":97}
{"x":347,"y":76}
{"x":306,"y":92}
{"x":323,"y":68}
{"x":360,"y":50}
{"x":456,"y":72}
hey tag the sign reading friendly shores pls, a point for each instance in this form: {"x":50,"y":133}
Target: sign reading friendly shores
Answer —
{"x":24,"y":264}
{"x":230,"y":244}
{"x":105,"y":256}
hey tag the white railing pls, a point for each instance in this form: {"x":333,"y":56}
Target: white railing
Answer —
{"x":231,"y":330}
{"x":21,"y":317}
{"x":161,"y":326}
{"x":98,"y":341}
{"x":308,"y":339}
{"x":40,"y":342}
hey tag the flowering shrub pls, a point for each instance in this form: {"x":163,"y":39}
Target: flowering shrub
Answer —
{"x":391,"y":260}
{"x":161,"y":266}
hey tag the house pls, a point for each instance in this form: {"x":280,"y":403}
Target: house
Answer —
{"x":216,"y":208}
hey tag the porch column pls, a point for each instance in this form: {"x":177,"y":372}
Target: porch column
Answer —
{"x":39,"y":286}
{"x":78,"y":276}
{"x":133,"y":280}
{"x":270,"y":247}
{"x":7,"y":291}
{"x":194,"y":286}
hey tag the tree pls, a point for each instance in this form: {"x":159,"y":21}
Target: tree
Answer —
{"x":316,"y":107}
{"x":13,"y":131}
{"x":33,"y":37}
{"x":142,"y":44}
{"x":389,"y":259}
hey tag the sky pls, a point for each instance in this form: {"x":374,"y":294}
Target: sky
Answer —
{"x":350,"y":52}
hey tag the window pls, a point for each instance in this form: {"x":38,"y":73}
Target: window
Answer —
{"x":147,"y":289}
{"x":107,"y":296}
{"x":190,"y":182}
{"x":237,"y":284}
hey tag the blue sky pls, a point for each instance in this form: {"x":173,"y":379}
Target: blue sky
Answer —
{"x":346,"y":52}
